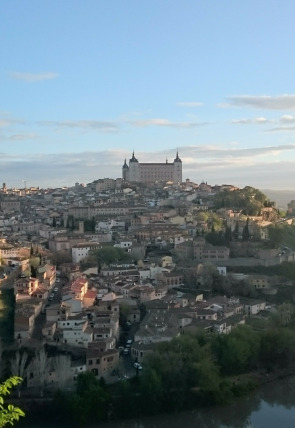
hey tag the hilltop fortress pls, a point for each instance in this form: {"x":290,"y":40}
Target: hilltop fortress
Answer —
{"x":152,"y":172}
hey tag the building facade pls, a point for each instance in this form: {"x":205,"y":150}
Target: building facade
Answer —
{"x":152,"y":172}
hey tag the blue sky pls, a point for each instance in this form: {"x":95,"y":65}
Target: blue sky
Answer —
{"x":84,"y":83}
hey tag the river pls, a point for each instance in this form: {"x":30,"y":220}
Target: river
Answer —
{"x":272,"y":406}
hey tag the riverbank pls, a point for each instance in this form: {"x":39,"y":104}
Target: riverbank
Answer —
{"x":263,"y":376}
{"x":271,"y":405}
{"x":47,"y":409}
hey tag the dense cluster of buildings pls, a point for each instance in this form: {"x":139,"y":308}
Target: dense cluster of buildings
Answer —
{"x":162,"y":228}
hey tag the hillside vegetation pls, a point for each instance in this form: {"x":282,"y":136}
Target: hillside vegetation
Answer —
{"x":282,"y":234}
{"x":248,"y":199}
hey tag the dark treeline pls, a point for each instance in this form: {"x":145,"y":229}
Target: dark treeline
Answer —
{"x":191,"y":371}
{"x":7,"y":305}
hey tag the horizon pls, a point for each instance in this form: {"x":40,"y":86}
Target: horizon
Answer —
{"x":83,"y":86}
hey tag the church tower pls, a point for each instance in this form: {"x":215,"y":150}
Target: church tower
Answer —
{"x":134,"y":174}
{"x":125,"y":171}
{"x":177,"y":173}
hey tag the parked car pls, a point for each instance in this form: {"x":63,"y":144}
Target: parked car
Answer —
{"x":126,"y":351}
{"x":55,"y":289}
{"x":137,"y":366}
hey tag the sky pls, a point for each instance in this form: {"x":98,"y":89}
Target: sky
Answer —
{"x":84,"y":83}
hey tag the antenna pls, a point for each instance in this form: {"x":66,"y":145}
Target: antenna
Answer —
{"x":25,"y":183}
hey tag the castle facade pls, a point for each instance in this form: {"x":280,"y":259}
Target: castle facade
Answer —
{"x":152,"y":172}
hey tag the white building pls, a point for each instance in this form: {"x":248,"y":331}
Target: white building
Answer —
{"x":81,"y":251}
{"x":75,"y":332}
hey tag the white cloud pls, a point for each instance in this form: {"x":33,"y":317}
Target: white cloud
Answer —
{"x":6,"y":122}
{"x":214,"y":153}
{"x":32,"y":77}
{"x":20,"y":137}
{"x":282,"y":129}
{"x":189,"y":104}
{"x":287,"y":118}
{"x":257,"y":120}
{"x":101,"y":125}
{"x":265,"y":102}
{"x":263,"y":167}
{"x":223,"y":105}
{"x":164,"y":123}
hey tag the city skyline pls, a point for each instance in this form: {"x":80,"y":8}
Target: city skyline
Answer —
{"x":85,"y":84}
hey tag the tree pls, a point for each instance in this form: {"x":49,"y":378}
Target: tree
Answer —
{"x":236,"y":230}
{"x":71,"y":222}
{"x":60,"y":257}
{"x":124,"y":312}
{"x":109,"y":255}
{"x":35,"y":261}
{"x":62,"y":366}
{"x":34,"y":272}
{"x":237,"y":351}
{"x":276,"y":235}
{"x":7,"y":304}
{"x":90,"y":402}
{"x":9,"y":414}
{"x":151,"y":388}
{"x":216,"y":238}
{"x":249,"y":200}
{"x":286,"y":313}
{"x":246,"y":233}
{"x":201,"y":216}
{"x":40,"y":368}
{"x":228,"y":234}
{"x":18,"y":367}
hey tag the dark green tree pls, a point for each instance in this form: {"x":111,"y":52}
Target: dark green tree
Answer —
{"x":228,"y":234}
{"x":7,"y":303}
{"x":237,"y":351}
{"x":236,"y":230}
{"x":34,"y":271}
{"x":276,"y":234}
{"x":108,"y":255}
{"x":246,"y":233}
{"x":90,"y":403}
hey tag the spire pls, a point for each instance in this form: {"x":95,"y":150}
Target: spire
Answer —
{"x":125,"y":164}
{"x":133,"y":159}
{"x":177,"y":159}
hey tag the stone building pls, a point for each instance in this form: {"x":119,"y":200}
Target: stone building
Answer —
{"x":152,"y":172}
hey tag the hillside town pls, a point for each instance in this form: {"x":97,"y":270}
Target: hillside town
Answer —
{"x":102,"y":273}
